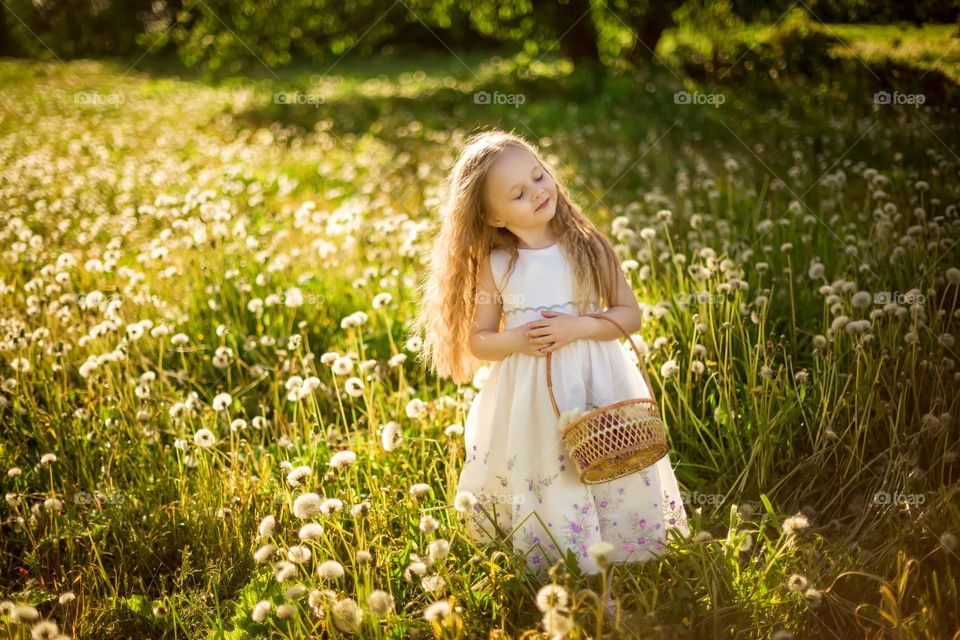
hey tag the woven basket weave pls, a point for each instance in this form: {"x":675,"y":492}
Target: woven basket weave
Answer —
{"x":618,"y":439}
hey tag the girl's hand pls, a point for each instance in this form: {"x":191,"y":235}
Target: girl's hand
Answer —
{"x":527,"y":347}
{"x":554,"y":331}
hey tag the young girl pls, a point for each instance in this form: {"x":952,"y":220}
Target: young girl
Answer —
{"x":514,"y":268}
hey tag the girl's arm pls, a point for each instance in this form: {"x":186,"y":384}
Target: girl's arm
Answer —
{"x":486,"y":341}
{"x":624,"y":309}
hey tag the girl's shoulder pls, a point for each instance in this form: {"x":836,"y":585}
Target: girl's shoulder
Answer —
{"x":499,"y":262}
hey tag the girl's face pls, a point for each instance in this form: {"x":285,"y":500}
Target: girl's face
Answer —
{"x":522,"y":196}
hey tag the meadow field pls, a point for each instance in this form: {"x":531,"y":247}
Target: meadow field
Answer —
{"x":214,"y":424}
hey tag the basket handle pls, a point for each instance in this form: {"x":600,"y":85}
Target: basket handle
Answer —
{"x":643,"y":368}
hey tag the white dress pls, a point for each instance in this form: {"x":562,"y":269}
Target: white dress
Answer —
{"x":515,"y":463}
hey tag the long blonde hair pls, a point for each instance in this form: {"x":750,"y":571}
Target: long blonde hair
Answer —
{"x":448,"y":288}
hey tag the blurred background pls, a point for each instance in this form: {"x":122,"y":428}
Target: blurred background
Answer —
{"x":220,"y":35}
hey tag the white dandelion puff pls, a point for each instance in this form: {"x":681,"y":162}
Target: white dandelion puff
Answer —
{"x":310,"y":531}
{"x":600,"y":552}
{"x":306,"y":505}
{"x":552,"y":596}
{"x":419,"y":489}
{"x":464,"y":501}
{"x":261,"y":610}
{"x":204,"y":438}
{"x":353,"y":387}
{"x":299,"y":554}
{"x":342,"y":458}
{"x":264,"y":553}
{"x":429,"y":524}
{"x":416,"y":408}
{"x":330,"y":570}
{"x":221,"y":401}
{"x":390,"y":435}
{"x":296,"y":476}
{"x":266,"y":526}
{"x":380,"y":603}
{"x":330,"y":505}
{"x":347,"y":615}
{"x":433,"y":584}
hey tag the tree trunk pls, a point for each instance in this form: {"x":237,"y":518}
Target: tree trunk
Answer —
{"x":6,"y":41}
{"x":571,"y":23}
{"x":648,"y":29}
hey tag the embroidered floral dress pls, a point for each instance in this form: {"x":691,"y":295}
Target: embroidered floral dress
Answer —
{"x":516,"y":464}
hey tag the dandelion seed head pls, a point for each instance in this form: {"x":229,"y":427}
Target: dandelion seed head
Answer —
{"x":600,"y":551}
{"x":310,"y":531}
{"x":342,"y":458}
{"x":266,"y":526}
{"x":264,"y":553}
{"x":464,"y":501}
{"x":796,"y":582}
{"x":284,"y":570}
{"x":330,"y":570}
{"x":204,"y":438}
{"x":389,"y":435}
{"x":438,"y":549}
{"x":331,"y":505}
{"x":380,"y":602}
{"x":552,"y":596}
{"x":261,"y":610}
{"x":419,"y":489}
{"x":438,"y":611}
{"x":556,"y":623}
{"x":347,"y":615}
{"x":429,"y":524}
{"x":795,"y":524}
{"x":306,"y":505}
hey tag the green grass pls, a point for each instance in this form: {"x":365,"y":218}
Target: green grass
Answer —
{"x":202,"y":198}
{"x":932,"y":47}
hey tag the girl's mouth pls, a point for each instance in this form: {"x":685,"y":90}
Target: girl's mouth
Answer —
{"x":543,"y":204}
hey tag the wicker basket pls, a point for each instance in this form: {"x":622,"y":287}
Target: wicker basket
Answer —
{"x":615,"y":440}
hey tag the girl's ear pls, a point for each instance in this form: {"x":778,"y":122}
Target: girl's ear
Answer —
{"x":490,"y":220}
